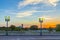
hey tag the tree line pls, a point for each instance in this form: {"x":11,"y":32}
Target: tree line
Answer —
{"x":32,"y":27}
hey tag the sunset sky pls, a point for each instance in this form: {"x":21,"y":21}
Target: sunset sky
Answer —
{"x":27,"y":12}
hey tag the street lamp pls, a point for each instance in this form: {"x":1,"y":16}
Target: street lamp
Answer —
{"x":7,"y":19}
{"x":41,"y":21}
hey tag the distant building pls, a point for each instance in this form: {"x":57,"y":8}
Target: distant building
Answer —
{"x":21,"y":26}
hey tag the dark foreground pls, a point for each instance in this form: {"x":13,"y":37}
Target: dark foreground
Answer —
{"x":29,"y":37}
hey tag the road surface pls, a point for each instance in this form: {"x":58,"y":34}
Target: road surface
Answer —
{"x":29,"y":37}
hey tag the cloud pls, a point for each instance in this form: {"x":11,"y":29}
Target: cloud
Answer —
{"x":46,"y":17}
{"x":34,"y":2}
{"x":29,"y":13}
{"x":24,"y":14}
{"x":53,"y":2}
{"x":27,"y":2}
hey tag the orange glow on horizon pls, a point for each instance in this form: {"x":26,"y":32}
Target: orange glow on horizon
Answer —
{"x":46,"y":24}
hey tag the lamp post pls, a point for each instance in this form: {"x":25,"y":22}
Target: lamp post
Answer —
{"x":7,"y":19}
{"x":41,"y":21}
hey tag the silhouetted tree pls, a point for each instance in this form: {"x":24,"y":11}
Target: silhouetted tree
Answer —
{"x":2,"y":28}
{"x":26,"y":28}
{"x":34,"y":27}
{"x":12,"y":27}
{"x":50,"y":29}
{"x":58,"y":27}
{"x":17,"y":29}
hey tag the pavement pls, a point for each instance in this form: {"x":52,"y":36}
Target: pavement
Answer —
{"x":15,"y":35}
{"x":30,"y":37}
